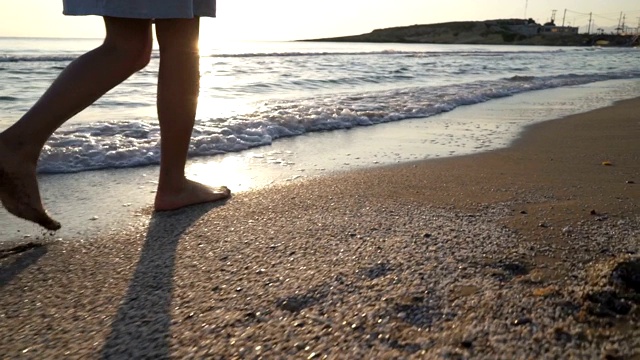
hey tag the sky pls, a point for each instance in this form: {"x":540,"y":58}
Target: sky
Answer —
{"x":300,"y":19}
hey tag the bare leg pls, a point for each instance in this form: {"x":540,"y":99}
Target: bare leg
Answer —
{"x":126,"y":49}
{"x":178,"y":88}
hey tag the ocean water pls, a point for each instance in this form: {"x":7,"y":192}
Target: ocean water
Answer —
{"x":253,"y":94}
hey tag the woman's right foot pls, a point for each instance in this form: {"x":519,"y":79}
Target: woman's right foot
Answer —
{"x":191,"y":193}
{"x":19,"y":191}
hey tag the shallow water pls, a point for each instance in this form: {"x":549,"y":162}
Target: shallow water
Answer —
{"x":255,"y":94}
{"x":94,"y":201}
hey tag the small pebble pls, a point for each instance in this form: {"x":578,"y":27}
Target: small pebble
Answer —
{"x":521,"y":321}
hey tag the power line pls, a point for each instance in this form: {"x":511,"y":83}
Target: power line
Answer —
{"x":603,"y":15}
{"x":617,"y":12}
{"x":592,"y":21}
{"x":576,"y":12}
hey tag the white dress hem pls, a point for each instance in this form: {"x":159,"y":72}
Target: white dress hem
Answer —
{"x":141,"y":9}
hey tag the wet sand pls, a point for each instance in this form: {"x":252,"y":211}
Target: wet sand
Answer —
{"x":526,"y":252}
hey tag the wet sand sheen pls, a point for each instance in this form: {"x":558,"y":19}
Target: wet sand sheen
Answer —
{"x":506,"y":254}
{"x":71,"y":198}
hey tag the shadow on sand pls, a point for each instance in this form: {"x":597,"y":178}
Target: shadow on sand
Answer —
{"x":141,"y":328}
{"x":25,"y":255}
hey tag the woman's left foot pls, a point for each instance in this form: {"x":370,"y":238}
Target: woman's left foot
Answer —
{"x":19,"y":191}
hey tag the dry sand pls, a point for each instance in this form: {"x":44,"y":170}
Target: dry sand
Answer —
{"x":527,"y":252}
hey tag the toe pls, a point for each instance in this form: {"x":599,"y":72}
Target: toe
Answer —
{"x":49,"y":224}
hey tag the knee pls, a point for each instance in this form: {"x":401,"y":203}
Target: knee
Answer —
{"x":133,"y":54}
{"x":179,"y":47}
{"x":143,"y":56}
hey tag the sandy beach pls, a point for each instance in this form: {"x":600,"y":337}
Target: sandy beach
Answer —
{"x":527,"y":252}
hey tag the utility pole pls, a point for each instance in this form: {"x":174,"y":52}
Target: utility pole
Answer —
{"x":619,"y":22}
{"x":553,"y":17}
{"x":589,"y":29}
{"x":526,"y":5}
{"x":564,"y":16}
{"x":624,"y":17}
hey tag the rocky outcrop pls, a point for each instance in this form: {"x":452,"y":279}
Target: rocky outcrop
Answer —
{"x":496,"y":32}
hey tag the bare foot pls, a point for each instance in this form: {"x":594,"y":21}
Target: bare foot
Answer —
{"x":19,"y":191}
{"x":192,"y":193}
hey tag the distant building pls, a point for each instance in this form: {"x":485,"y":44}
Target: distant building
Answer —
{"x":525,"y":29}
{"x":551,"y":29}
{"x":519,"y":26}
{"x":529,"y":27}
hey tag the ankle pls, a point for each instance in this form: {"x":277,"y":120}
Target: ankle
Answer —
{"x":171,"y":184}
{"x":18,"y":149}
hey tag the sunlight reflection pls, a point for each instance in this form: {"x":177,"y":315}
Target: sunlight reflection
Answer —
{"x":232,"y":171}
{"x":211,"y":104}
{"x":242,"y":172}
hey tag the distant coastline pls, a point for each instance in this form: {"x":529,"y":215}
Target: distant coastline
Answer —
{"x":489,"y":32}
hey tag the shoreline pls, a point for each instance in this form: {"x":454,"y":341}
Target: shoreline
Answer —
{"x":518,"y":252}
{"x":495,"y":124}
